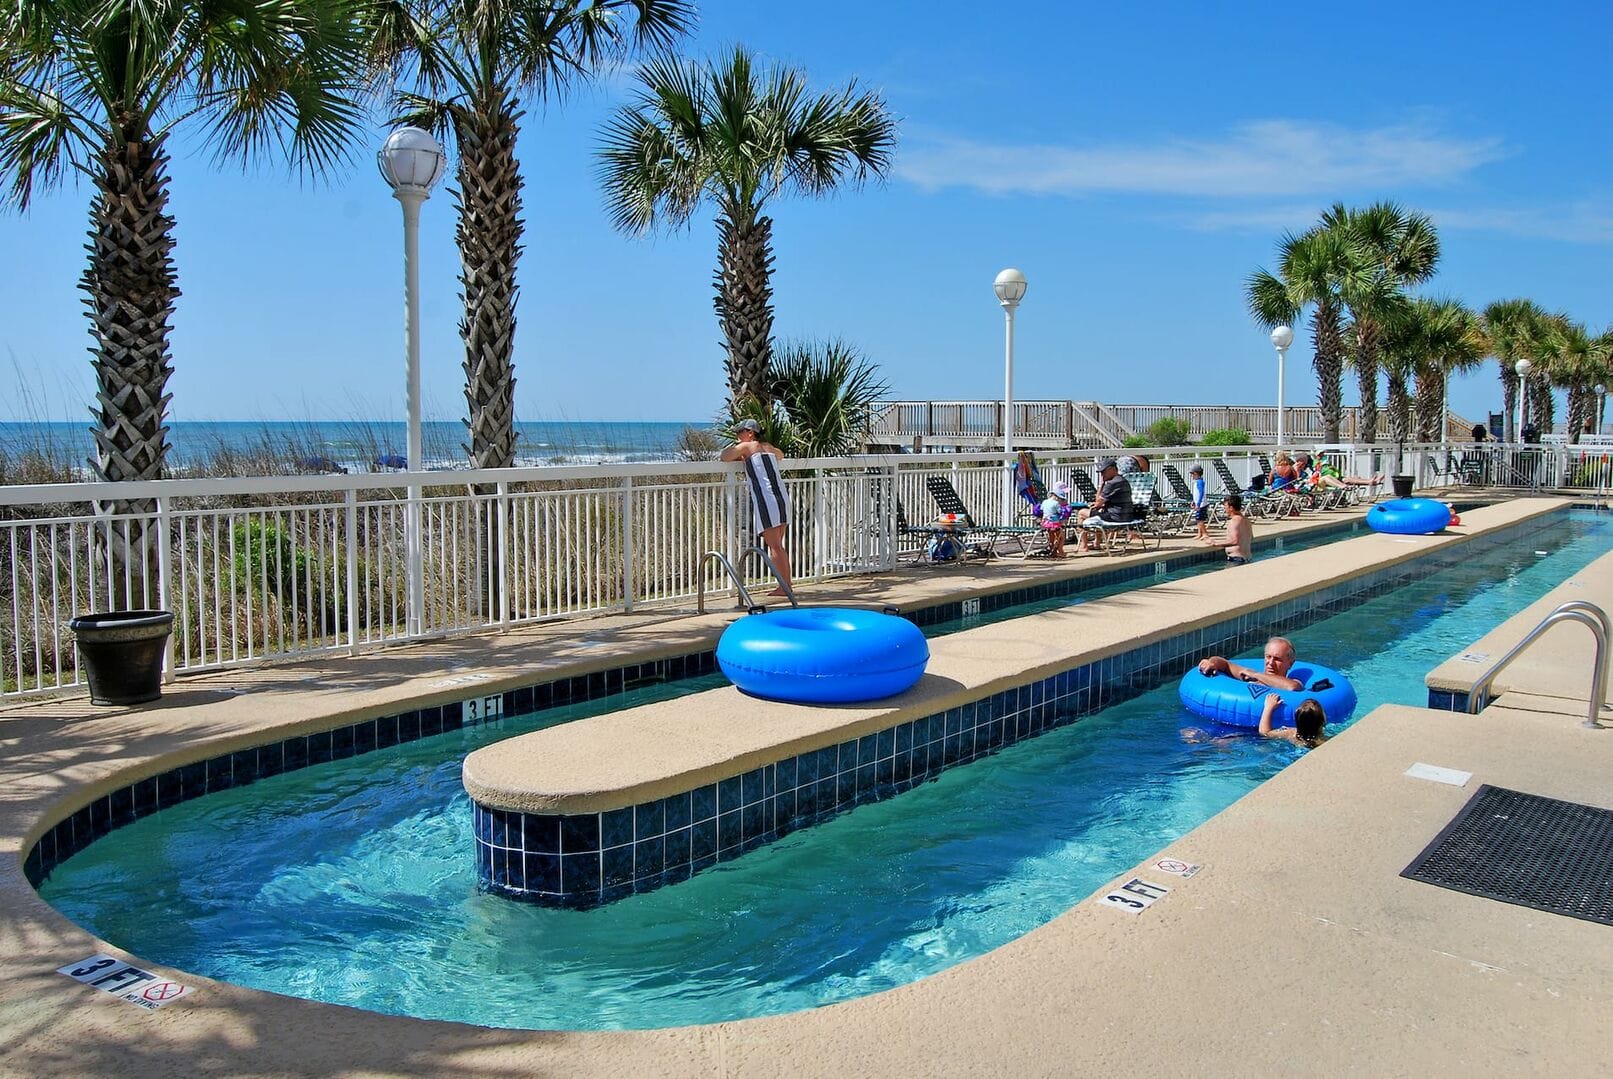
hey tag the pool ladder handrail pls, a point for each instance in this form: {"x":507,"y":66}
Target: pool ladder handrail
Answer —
{"x":739,"y":582}
{"x":1586,"y":614}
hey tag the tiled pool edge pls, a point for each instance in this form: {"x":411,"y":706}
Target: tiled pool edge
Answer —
{"x":584,"y":860}
{"x":131,"y":802}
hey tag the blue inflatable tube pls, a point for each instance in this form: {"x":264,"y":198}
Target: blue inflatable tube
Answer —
{"x":1409,"y":516}
{"x":823,"y":655}
{"x":1225,"y":700}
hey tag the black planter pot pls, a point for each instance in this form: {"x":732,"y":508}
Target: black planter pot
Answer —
{"x":122,"y":652}
{"x":1402,"y":485}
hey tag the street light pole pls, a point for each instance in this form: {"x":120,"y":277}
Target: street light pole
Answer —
{"x":1010,"y":289}
{"x":1522,"y":368}
{"x":1281,"y":338}
{"x":411,"y":162}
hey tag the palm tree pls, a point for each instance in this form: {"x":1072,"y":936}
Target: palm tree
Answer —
{"x":737,"y":136}
{"x":826,"y":390}
{"x":99,"y":86}
{"x":1576,"y":363}
{"x":1399,"y":249}
{"x":1511,"y":327}
{"x":1310,"y":269}
{"x":1424,"y":341}
{"x":471,"y":61}
{"x":1459,"y":345}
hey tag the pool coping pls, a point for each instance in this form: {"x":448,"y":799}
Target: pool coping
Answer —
{"x":1088,"y":990}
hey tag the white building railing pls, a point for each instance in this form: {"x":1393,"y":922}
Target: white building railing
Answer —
{"x":271,"y":567}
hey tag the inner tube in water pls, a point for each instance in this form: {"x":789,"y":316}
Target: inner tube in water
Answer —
{"x":823,"y":655}
{"x":1409,"y":516}
{"x":1223,"y":699}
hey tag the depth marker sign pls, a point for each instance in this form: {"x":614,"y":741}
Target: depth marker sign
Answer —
{"x":1134,"y":896}
{"x":125,"y":981}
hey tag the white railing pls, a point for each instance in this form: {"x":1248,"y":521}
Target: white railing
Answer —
{"x":1050,"y":424}
{"x":271,"y":567}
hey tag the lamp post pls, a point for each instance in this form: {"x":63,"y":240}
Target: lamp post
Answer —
{"x":1281,"y":338}
{"x":1010,"y":287}
{"x":1522,"y":367}
{"x":411,"y":162}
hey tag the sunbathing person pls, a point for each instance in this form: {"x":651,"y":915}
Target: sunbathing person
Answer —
{"x":1310,"y":722}
{"x":1328,"y":476}
{"x":1279,"y":658}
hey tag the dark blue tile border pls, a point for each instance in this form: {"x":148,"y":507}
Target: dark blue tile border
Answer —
{"x":761,"y":805}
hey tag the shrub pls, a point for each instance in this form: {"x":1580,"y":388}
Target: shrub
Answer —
{"x":1165,"y":431}
{"x":1226,"y":436}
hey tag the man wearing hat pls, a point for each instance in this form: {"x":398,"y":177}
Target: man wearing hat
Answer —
{"x":1113,"y":502}
{"x":769,"y":501}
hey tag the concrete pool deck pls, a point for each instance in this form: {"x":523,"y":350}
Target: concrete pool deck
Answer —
{"x":1297,"y":947}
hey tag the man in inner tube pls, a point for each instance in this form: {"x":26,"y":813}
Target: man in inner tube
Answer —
{"x":1279,"y":658}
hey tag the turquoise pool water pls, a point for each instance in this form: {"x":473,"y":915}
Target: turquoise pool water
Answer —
{"x":352,"y":882}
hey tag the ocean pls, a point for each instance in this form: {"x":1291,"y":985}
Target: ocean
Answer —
{"x":365,"y":446}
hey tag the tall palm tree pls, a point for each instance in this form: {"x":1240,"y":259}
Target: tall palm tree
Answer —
{"x":1514,"y":329}
{"x":470,"y":63}
{"x":1576,"y":364}
{"x":1310,"y":268}
{"x":1459,"y":345}
{"x":1422,"y":342}
{"x":737,"y":136}
{"x":1399,"y":249}
{"x":99,"y":86}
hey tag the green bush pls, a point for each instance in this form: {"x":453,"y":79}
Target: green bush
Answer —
{"x":1163,"y":432}
{"x":1226,"y":436}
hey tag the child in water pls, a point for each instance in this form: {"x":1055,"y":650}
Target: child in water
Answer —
{"x":1309,"y":722}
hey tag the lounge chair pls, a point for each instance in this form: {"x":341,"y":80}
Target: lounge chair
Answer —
{"x":1116,"y":536}
{"x":1256,"y":503}
{"x":947,"y":500}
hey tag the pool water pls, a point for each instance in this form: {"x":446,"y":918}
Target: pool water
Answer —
{"x":352,"y":882}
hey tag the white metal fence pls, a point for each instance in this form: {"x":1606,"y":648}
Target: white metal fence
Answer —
{"x":268,"y":567}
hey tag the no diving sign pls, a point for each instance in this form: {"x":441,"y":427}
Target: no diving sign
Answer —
{"x":125,"y":981}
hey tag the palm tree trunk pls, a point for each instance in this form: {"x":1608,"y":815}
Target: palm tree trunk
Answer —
{"x":1509,"y":402}
{"x":1366,"y":371}
{"x":1430,"y":405}
{"x":489,"y":239}
{"x":1579,"y":412}
{"x":1542,"y":404}
{"x":1328,"y":360}
{"x":744,"y":303}
{"x":488,"y":234}
{"x":131,"y":287}
{"x":1399,"y":411}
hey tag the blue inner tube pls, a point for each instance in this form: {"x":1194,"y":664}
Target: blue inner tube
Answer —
{"x":1409,"y":516}
{"x":827,"y":655}
{"x":1225,"y":700}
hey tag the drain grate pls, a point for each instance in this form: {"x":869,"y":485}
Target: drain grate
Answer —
{"x":1521,"y":848}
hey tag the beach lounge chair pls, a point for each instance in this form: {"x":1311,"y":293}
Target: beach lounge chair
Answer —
{"x":947,"y":500}
{"x":1116,"y":536}
{"x":1256,"y":503}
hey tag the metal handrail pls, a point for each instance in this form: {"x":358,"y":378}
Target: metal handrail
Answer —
{"x":1586,"y":614}
{"x":739,"y":582}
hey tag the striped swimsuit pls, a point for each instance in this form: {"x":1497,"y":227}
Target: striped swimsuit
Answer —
{"x":770,"y":505}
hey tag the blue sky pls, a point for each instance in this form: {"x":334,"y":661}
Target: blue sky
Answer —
{"x":1135,"y":162}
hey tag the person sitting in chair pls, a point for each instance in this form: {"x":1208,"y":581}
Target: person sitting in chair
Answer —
{"x":1113,"y":503}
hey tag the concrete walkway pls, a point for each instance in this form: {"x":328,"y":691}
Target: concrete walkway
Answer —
{"x":1298,"y":947}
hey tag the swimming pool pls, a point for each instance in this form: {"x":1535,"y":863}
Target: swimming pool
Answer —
{"x":348,"y":882}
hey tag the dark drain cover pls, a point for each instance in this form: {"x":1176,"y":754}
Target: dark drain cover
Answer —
{"x":1521,"y":848}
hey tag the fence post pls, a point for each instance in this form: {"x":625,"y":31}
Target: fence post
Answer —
{"x":352,"y":568}
{"x":731,"y":525}
{"x":163,"y":602}
{"x":629,"y":581}
{"x":502,"y":538}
